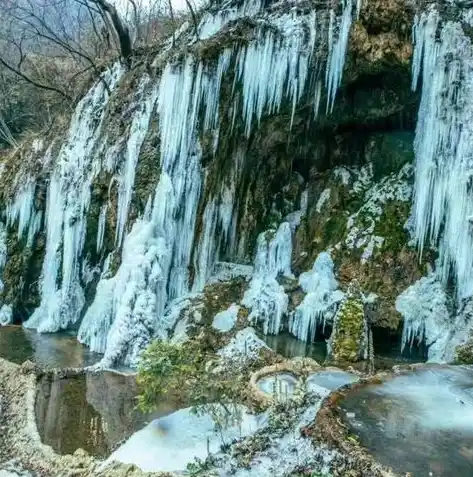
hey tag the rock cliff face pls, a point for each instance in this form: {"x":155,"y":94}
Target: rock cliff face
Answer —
{"x":280,"y":132}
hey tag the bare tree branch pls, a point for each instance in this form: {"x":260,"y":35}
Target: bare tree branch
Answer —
{"x":32,"y":81}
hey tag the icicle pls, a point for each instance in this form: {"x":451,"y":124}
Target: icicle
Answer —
{"x":101,"y":226}
{"x":273,"y":68}
{"x":67,"y":203}
{"x":423,"y":307}
{"x":337,"y":52}
{"x":265,"y":297}
{"x":443,"y":198}
{"x":320,"y":303}
{"x":138,"y":130}
{"x":22,"y":208}
{"x":3,"y":252}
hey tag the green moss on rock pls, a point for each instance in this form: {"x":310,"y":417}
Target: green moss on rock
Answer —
{"x":464,"y":352}
{"x":348,"y":337}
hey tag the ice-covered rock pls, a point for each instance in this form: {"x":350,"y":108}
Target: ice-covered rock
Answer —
{"x":243,"y":348}
{"x":226,"y":320}
{"x":424,"y":309}
{"x":321,"y":299}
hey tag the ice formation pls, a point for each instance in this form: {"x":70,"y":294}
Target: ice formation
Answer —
{"x":22,"y":210}
{"x":67,"y":203}
{"x":265,"y":298}
{"x":169,"y":443}
{"x":426,"y":317}
{"x":139,"y":128}
{"x":271,"y":69}
{"x":443,"y":200}
{"x":6,"y":315}
{"x":243,"y":348}
{"x":321,"y":300}
{"x":226,"y":320}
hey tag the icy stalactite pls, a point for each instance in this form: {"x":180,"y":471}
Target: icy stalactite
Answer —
{"x":218,"y":233}
{"x":273,"y":68}
{"x":3,"y":252}
{"x":101,"y":226}
{"x":338,"y":49}
{"x":67,"y":203}
{"x":424,"y":308}
{"x":131,"y":303}
{"x":265,"y":297}
{"x":321,"y":301}
{"x":22,"y":209}
{"x":212,"y":22}
{"x":136,"y":136}
{"x":443,"y":197}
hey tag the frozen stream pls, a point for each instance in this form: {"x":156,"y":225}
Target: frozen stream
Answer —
{"x":421,"y":422}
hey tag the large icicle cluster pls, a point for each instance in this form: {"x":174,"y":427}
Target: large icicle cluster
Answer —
{"x":426,"y":317}
{"x":22,"y":209}
{"x":276,"y":66}
{"x":443,"y":206}
{"x":62,"y":297}
{"x":265,"y":297}
{"x":321,"y":300}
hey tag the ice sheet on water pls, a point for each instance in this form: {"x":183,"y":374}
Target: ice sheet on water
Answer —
{"x":170,"y":443}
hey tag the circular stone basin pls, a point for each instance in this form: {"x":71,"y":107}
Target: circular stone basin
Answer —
{"x":94,"y":412}
{"x":279,"y":385}
{"x":421,"y":422}
{"x":322,"y":382}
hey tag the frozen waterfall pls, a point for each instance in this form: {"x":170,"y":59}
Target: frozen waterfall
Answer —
{"x":62,"y":296}
{"x":265,"y":298}
{"x":271,"y":69}
{"x":443,"y":205}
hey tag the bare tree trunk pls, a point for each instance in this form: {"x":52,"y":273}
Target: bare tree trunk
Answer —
{"x":124,"y":38}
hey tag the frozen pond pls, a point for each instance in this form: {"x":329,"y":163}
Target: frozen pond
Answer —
{"x":281,"y":385}
{"x":170,"y":443}
{"x":421,"y":422}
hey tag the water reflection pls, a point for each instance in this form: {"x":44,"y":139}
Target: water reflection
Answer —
{"x":290,"y":347}
{"x":60,"y":350}
{"x":92,"y":412}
